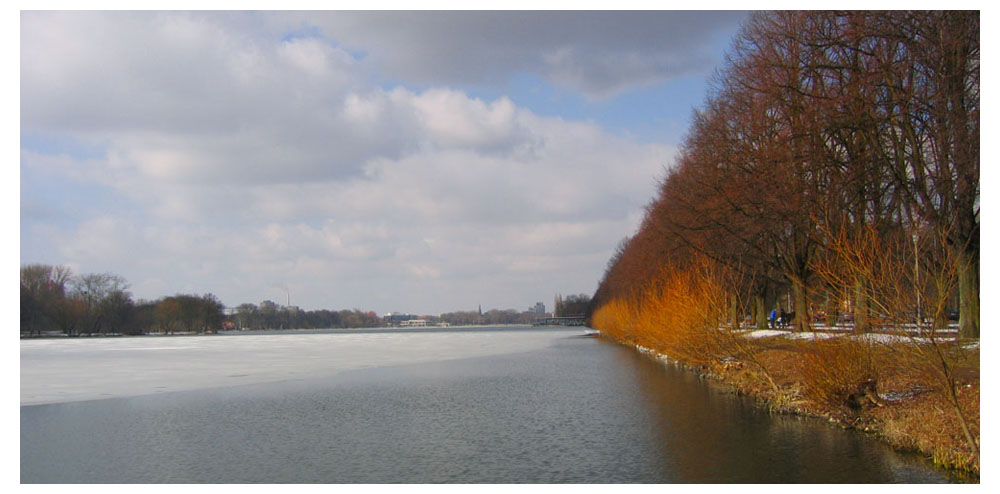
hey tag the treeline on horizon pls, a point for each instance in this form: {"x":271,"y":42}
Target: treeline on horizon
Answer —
{"x":53,"y":299}
{"x":269,"y":315}
{"x":836,"y":162}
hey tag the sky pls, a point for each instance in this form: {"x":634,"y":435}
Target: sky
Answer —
{"x":416,"y":162}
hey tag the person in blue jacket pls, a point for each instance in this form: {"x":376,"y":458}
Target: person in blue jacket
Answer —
{"x":771,"y":318}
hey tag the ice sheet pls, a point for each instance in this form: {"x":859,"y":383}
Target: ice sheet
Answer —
{"x":75,"y":369}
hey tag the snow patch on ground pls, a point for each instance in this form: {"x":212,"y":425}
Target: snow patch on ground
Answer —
{"x":885,"y":338}
{"x":767,"y":333}
{"x":764,"y":333}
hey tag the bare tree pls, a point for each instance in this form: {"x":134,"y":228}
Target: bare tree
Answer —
{"x":43,"y":288}
{"x":100,"y":294}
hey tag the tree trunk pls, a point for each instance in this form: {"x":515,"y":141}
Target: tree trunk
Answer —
{"x":801,"y":306}
{"x":734,"y":311}
{"x":760,"y":311}
{"x":968,"y":293}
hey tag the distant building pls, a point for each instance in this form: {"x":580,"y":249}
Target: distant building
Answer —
{"x":396,"y":319}
{"x":413,"y":323}
{"x":538,"y":309}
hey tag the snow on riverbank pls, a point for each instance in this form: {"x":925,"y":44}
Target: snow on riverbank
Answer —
{"x":874,"y":337}
{"x":76,"y":369}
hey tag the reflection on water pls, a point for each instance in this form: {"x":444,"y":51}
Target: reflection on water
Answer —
{"x":582,"y":410}
{"x":709,"y":435}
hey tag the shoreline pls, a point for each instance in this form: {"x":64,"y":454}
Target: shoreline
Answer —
{"x":740,"y":380}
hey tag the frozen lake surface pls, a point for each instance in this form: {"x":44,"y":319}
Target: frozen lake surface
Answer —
{"x":77,"y":369}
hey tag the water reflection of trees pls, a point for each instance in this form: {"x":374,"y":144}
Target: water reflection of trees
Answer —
{"x":708,"y":434}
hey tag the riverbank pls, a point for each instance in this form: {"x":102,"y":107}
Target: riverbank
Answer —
{"x":889,"y":388}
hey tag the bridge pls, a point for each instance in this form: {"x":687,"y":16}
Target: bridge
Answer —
{"x":571,"y":320}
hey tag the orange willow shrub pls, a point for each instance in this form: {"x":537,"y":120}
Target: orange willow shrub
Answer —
{"x":678,"y":314}
{"x":839,"y":372}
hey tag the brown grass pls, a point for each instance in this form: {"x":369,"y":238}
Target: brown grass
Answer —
{"x":894,"y":391}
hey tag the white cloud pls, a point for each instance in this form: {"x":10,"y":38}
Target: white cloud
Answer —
{"x":247,"y":161}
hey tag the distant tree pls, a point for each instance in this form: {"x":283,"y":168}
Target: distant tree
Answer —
{"x":461,"y":318}
{"x":43,"y":288}
{"x":189,"y":313}
{"x":143,"y":318}
{"x":575,"y":305}
{"x":246,"y":317}
{"x":118,"y":311}
{"x":268,"y":311}
{"x":350,"y":319}
{"x":70,"y":313}
{"x":169,"y":315}
{"x":100,"y":293}
{"x":210,"y":313}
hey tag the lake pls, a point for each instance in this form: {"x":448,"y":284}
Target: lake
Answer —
{"x":458,"y":405}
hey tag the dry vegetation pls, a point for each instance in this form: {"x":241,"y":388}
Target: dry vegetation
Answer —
{"x":894,"y":390}
{"x":883,"y":389}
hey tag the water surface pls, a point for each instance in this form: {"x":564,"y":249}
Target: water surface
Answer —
{"x":578,"y":409}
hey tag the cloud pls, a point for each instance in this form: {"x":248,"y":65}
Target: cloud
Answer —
{"x":240,"y":158}
{"x":597,"y":53}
